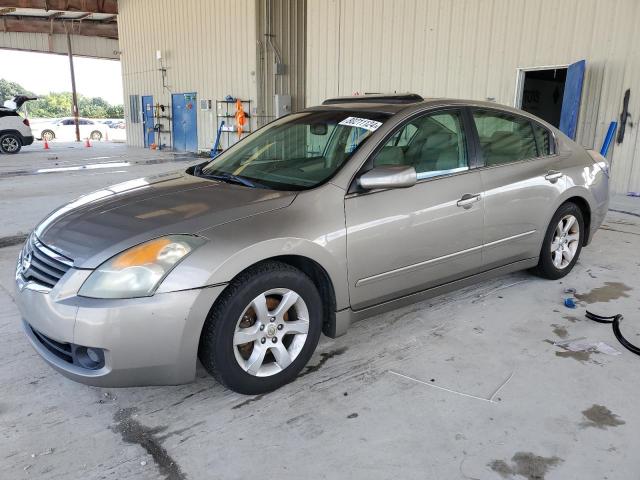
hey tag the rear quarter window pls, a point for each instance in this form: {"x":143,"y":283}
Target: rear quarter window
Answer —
{"x":8,"y":113}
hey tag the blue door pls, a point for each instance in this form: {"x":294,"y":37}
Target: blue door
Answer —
{"x":147,"y":120}
{"x":185,"y":127}
{"x":571,"y":99}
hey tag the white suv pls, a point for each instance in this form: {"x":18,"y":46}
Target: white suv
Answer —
{"x":14,"y":130}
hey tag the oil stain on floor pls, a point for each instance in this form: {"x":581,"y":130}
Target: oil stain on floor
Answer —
{"x":609,"y":291}
{"x":560,"y":331}
{"x":525,"y":464}
{"x":133,"y":431}
{"x":599,"y":416}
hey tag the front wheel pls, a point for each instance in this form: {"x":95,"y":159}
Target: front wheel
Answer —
{"x":96,"y":136}
{"x":10,"y":143}
{"x":263,"y":329}
{"x":562,"y":243}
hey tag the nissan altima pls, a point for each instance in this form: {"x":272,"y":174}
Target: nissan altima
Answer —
{"x":322,"y":217}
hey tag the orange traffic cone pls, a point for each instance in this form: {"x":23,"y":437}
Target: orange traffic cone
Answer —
{"x":46,"y":144}
{"x":87,"y":143}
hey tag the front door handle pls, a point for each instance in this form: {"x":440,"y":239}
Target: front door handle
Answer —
{"x":468,"y":200}
{"x":553,"y":176}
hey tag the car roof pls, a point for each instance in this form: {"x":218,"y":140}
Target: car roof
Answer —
{"x":394,"y":103}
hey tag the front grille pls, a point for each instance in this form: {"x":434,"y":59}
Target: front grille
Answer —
{"x":41,"y":264}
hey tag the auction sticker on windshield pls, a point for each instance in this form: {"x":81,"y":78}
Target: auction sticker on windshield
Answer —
{"x":365,"y":123}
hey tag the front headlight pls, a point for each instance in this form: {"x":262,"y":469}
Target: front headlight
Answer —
{"x":138,"y":271}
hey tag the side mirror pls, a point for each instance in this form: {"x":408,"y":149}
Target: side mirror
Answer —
{"x":388,"y":176}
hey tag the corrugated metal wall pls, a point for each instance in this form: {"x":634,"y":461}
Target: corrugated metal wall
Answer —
{"x":214,"y":48}
{"x":287,"y":20}
{"x":208,"y":47}
{"x":473,"y":49}
{"x":82,"y":46}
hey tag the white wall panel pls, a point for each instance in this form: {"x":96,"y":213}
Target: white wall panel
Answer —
{"x":473,"y":48}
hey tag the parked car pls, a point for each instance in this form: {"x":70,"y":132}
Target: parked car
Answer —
{"x":65,"y":129}
{"x":112,"y":122}
{"x":331,"y":214}
{"x":15,"y":131}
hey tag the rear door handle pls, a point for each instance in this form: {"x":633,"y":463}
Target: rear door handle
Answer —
{"x":553,"y":176}
{"x":468,"y":200}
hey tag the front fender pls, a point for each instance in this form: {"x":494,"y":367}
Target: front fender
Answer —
{"x":311,"y":227}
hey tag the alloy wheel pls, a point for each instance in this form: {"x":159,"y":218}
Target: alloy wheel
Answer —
{"x":566,"y":240}
{"x":271,"y":332}
{"x":10,"y":144}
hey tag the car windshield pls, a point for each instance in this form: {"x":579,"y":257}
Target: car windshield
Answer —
{"x":297,"y":152}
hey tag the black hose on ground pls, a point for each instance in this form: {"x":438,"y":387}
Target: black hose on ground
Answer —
{"x":615,"y":321}
{"x":625,"y":343}
{"x":599,"y":318}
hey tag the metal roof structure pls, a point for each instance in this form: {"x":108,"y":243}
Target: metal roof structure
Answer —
{"x":92,"y":18}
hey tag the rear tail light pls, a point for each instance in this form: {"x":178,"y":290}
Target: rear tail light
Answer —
{"x":26,"y":122}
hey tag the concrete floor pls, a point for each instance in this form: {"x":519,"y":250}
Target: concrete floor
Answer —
{"x":466,"y":386}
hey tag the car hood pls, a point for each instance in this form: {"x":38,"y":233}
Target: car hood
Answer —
{"x":97,"y":226}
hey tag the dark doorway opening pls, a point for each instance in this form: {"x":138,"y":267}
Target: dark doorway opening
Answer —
{"x":542,"y":93}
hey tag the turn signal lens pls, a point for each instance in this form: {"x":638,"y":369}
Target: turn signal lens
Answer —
{"x":145,"y":253}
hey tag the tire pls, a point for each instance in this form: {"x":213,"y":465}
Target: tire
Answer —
{"x":96,"y":136}
{"x":10,"y":143}
{"x":233,"y":319}
{"x":561,"y":246}
{"x":48,"y":135}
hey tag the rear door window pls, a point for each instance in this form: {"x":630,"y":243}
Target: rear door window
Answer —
{"x":504,"y":138}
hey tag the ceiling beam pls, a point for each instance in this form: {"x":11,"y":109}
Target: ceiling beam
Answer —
{"x":90,"y":6}
{"x":87,"y":28}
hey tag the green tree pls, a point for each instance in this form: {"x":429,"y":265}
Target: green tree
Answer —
{"x":115,"y":111}
{"x":59,"y":104}
{"x":8,"y":90}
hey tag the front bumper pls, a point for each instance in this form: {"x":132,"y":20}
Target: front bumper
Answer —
{"x":145,"y":341}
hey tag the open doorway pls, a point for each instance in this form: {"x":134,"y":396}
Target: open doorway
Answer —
{"x":542,"y":93}
{"x":553,"y":93}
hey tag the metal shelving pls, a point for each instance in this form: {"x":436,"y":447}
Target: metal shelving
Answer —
{"x":225,"y":110}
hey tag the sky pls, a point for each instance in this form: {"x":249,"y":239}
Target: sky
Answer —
{"x":42,"y":73}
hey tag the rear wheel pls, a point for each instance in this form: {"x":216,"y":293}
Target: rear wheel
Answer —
{"x":10,"y":143}
{"x":562,"y":243}
{"x":96,"y":135}
{"x":48,"y":135}
{"x":263,"y":329}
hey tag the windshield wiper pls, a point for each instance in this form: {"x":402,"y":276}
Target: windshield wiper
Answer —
{"x":231,"y":178}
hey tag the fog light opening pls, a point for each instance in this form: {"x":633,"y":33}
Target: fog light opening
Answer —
{"x":91,"y":358}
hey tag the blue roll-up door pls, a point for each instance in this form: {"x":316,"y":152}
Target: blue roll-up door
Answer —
{"x":185,"y":127}
{"x":571,"y":98}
